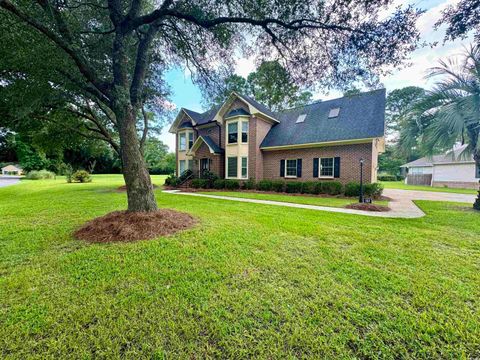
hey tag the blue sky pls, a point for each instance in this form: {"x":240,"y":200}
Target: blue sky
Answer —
{"x":186,"y":94}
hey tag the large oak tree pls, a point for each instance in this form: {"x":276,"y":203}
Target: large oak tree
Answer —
{"x":104,"y":59}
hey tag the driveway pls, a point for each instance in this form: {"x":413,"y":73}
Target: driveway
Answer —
{"x":8,"y":180}
{"x":401,"y":205}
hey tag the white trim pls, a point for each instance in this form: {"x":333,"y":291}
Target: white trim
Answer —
{"x":296,"y":169}
{"x":241,"y":167}
{"x":318,"y":144}
{"x":320,"y":176}
{"x":194,"y":146}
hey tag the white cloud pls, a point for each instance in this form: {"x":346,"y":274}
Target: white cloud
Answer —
{"x":245,"y":66}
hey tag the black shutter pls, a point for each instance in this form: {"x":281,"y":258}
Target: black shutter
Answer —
{"x":282,"y":168}
{"x":299,"y":167}
{"x":336,"y":168}
{"x":315,"y":168}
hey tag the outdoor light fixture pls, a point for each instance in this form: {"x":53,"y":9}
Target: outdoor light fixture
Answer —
{"x":360,"y":198}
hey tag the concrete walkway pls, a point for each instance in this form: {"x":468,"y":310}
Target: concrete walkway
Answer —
{"x":401,"y":204}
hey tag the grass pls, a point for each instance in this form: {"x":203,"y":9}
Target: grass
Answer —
{"x":250,"y":281}
{"x":402,"y":185}
{"x":296,"y":199}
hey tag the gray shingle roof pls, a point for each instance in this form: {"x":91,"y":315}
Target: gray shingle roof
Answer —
{"x":457,"y":155}
{"x":259,"y":106}
{"x":202,"y":118}
{"x":211,"y":144}
{"x":361,"y":116}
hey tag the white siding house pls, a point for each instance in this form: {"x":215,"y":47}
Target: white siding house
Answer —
{"x":453,"y":169}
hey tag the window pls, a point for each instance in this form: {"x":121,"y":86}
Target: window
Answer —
{"x":244,"y":131}
{"x":233,"y":133}
{"x":181,"y":167}
{"x":244,"y":167}
{"x":190,"y":140}
{"x":291,"y":168}
{"x":326,"y":167}
{"x":333,"y":113}
{"x":301,"y":118}
{"x":182,"y":140}
{"x":232,"y":167}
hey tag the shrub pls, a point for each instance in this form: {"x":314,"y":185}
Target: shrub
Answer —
{"x":232,"y":184}
{"x":278,"y":186}
{"x":353,"y":189}
{"x":331,"y":188}
{"x":40,"y":174}
{"x":387,"y":177}
{"x":309,"y":187}
{"x":265,"y":185}
{"x":318,"y":188}
{"x":219,"y":184}
{"x":249,"y":184}
{"x":293,"y":187}
{"x":171,"y":180}
{"x":81,"y":176}
{"x":185,"y":175}
{"x":200,"y":183}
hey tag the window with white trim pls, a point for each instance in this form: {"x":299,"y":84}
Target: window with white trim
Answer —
{"x":291,"y":168}
{"x":232,"y":166}
{"x":190,"y":139}
{"x":182,"y":141}
{"x":244,"y":131}
{"x":181,"y":167}
{"x":233,"y":132}
{"x":326,"y":167}
{"x":244,"y":167}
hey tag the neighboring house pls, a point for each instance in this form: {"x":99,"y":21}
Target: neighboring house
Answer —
{"x":453,"y":169}
{"x":243,"y":139}
{"x":12,"y":170}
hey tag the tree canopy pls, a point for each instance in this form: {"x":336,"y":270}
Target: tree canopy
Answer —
{"x":461,"y":19}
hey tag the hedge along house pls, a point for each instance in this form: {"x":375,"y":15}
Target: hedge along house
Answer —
{"x":243,"y":139}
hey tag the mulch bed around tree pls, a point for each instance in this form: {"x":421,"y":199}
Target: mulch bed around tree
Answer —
{"x":368,"y":207}
{"x":130,"y":226}
{"x":123,"y":188}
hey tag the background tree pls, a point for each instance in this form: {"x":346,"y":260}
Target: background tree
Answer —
{"x":158,"y":158}
{"x":450,"y":113}
{"x":107,"y":56}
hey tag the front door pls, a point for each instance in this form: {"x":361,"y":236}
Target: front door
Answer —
{"x":204,"y":165}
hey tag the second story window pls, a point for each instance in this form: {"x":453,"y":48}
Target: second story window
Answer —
{"x":244,"y":131}
{"x":182,"y":141}
{"x":233,"y":133}
{"x":190,"y":140}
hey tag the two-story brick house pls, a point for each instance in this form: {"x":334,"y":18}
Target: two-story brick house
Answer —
{"x":243,"y":139}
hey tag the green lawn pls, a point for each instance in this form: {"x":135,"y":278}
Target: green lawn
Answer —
{"x":250,"y":281}
{"x":308,"y":200}
{"x":402,"y":185}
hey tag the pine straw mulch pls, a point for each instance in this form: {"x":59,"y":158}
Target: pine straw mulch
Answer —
{"x":130,"y":226}
{"x":368,"y":207}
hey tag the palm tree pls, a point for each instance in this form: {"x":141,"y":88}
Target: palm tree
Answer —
{"x":450,"y":112}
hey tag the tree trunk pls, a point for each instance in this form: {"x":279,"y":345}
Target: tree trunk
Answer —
{"x":139,"y":186}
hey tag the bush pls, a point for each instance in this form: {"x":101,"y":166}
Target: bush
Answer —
{"x":331,"y":188}
{"x":81,"y":176}
{"x":219,"y":184}
{"x":249,"y":184}
{"x":40,"y":174}
{"x":293,"y":187}
{"x":373,"y":190}
{"x":232,"y":184}
{"x":171,"y":180}
{"x":278,"y":186}
{"x":387,"y":177}
{"x":200,"y":184}
{"x":309,"y":187}
{"x":265,"y":185}
{"x":352,"y":189}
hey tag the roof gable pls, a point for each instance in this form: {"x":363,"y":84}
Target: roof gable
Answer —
{"x":207,"y":140}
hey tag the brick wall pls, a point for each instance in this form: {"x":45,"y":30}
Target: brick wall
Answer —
{"x":349,"y":161}
{"x":258,"y":129}
{"x":213,"y":131}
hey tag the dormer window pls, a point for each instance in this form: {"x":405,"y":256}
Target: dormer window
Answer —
{"x":333,"y":113}
{"x":301,"y":118}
